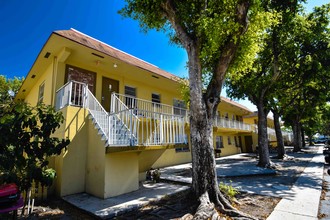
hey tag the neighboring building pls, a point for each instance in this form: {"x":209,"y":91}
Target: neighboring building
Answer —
{"x":122,"y":115}
{"x":253,"y":120}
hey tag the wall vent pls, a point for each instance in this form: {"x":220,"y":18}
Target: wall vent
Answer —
{"x":98,"y":55}
{"x":47,"y":55}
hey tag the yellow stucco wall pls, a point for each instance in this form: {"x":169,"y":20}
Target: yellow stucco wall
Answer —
{"x":95,"y":167}
{"x":145,"y":84}
{"x":171,"y":157}
{"x":32,"y":95}
{"x":121,"y":173}
{"x":71,"y":164}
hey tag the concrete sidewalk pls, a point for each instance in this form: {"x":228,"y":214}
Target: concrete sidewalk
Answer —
{"x":303,"y":201}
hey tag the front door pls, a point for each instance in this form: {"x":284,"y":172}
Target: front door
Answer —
{"x":248,"y":144}
{"x":108,"y":86}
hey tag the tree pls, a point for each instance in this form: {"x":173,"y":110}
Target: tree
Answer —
{"x":216,"y":37}
{"x":325,"y":120}
{"x":8,"y":85}
{"x":309,"y":70}
{"x":27,"y":139}
{"x":312,"y":124}
{"x":291,"y":55}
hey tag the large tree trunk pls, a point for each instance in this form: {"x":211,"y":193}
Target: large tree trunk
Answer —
{"x":202,"y":112}
{"x":264,"y":160}
{"x":279,"y":136}
{"x":296,"y":136}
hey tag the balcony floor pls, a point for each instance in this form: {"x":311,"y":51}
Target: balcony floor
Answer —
{"x":114,"y":149}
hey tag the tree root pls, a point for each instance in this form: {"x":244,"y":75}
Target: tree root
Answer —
{"x":207,"y":210}
{"x":226,"y":208}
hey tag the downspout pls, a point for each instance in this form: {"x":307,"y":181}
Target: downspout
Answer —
{"x":54,"y":77}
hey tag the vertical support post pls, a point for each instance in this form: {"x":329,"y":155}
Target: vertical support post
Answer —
{"x":161,"y":129}
{"x":110,"y":138}
{"x":84,"y":104}
{"x":70,"y":93}
{"x":130,"y":127}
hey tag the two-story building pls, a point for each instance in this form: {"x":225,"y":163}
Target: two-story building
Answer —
{"x":122,"y":115}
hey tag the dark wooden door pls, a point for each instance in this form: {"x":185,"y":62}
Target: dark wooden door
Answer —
{"x":108,"y":86}
{"x":248,"y":144}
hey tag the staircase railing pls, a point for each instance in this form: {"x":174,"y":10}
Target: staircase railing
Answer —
{"x":99,"y":114}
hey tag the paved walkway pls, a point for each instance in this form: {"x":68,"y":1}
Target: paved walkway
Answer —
{"x":303,"y":201}
{"x":300,"y":201}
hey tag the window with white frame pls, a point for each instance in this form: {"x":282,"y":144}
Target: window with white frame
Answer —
{"x":41,"y":92}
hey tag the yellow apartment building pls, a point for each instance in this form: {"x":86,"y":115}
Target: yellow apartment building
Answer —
{"x":122,"y":115}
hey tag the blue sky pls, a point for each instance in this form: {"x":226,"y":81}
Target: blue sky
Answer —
{"x":26,"y":25}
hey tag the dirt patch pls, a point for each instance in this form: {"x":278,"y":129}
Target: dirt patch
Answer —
{"x":52,"y":208}
{"x":181,"y":204}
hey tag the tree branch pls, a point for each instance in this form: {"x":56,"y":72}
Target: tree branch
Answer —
{"x":170,"y":12}
{"x":228,"y":52}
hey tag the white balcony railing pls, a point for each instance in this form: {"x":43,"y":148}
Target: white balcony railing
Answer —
{"x":226,"y":123}
{"x":145,"y":108}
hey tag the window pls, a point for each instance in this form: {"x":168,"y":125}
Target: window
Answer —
{"x":184,"y":148}
{"x":229,"y":140}
{"x":179,"y":107}
{"x":218,"y":142}
{"x":130,"y":93}
{"x":155,"y":98}
{"x":235,"y":141}
{"x":41,"y":93}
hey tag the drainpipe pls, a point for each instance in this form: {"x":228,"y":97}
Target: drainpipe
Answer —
{"x":54,"y":77}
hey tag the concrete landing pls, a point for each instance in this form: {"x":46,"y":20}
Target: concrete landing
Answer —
{"x":112,"y":207}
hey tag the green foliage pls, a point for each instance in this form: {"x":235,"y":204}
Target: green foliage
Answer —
{"x":325,"y":120}
{"x":27,"y":141}
{"x":7,"y":85}
{"x":228,"y":190}
{"x":213,"y":23}
{"x":184,"y":90}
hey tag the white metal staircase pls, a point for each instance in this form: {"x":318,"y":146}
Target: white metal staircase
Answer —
{"x":146,"y":124}
{"x":113,"y":129}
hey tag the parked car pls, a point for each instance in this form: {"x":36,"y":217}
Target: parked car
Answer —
{"x":321,"y":140}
